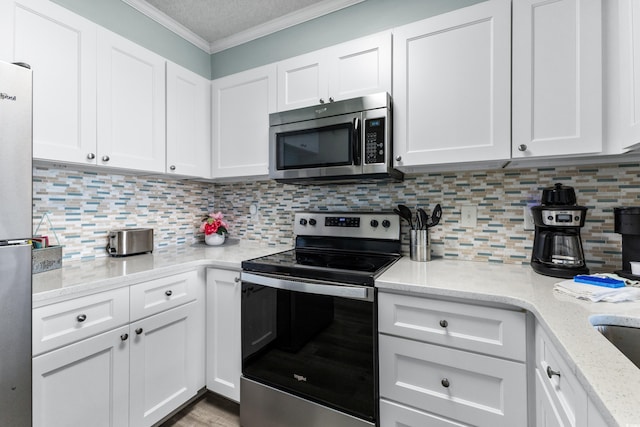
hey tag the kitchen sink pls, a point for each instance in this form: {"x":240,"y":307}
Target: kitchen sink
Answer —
{"x":625,"y":338}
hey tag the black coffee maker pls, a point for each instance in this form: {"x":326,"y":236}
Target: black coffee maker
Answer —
{"x":627,"y":223}
{"x":557,"y":246}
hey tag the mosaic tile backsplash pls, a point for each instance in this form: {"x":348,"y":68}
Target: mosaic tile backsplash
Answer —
{"x":84,"y":206}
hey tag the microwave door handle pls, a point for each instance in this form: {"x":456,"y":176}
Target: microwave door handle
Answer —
{"x":357,"y":142}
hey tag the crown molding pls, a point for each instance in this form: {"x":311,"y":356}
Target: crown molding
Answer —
{"x":286,"y":21}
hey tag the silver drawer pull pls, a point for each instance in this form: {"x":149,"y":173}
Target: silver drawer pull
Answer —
{"x":444,"y":323}
{"x":139,"y":331}
{"x":124,"y":337}
{"x":168,"y":293}
{"x":551,"y":372}
{"x":81,"y":317}
{"x":445,"y":383}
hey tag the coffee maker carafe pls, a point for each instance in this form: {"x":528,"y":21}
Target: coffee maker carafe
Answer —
{"x":557,"y":245}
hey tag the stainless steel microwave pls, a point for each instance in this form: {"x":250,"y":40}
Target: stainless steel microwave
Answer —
{"x":343,"y":141}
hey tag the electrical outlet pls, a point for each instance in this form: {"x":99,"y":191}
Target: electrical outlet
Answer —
{"x":468,"y":216}
{"x":529,"y":225}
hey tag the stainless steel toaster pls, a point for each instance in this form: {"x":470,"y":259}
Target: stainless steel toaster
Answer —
{"x":130,"y":241}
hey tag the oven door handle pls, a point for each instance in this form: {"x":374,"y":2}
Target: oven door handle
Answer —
{"x":363,"y":293}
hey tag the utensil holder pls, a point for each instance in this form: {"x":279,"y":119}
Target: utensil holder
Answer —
{"x":419,"y":245}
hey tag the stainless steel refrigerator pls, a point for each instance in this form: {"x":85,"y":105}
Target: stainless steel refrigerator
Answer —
{"x":15,"y":247}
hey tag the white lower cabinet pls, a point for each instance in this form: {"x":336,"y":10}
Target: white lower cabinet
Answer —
{"x":84,"y":384}
{"x":437,"y":376}
{"x":224,"y":360}
{"x":166,"y":363}
{"x":133,"y":375}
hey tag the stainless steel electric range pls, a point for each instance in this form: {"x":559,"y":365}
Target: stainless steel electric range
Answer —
{"x":309,"y":323}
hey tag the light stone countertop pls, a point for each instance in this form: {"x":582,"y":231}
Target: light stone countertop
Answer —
{"x":610,"y":379}
{"x":79,"y":278}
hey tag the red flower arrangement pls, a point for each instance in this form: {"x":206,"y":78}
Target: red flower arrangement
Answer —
{"x":213,"y":223}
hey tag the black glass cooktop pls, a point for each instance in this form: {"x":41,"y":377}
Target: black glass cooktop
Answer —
{"x":338,"y":266}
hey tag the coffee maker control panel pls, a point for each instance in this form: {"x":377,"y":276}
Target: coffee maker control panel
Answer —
{"x":568,"y":218}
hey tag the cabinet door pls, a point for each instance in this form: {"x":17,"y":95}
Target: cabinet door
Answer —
{"x":302,"y":81}
{"x":451,"y":87}
{"x":167,"y":362}
{"x":241,"y":106}
{"x":623,"y":50}
{"x":188,"y":123}
{"x":60,"y":48}
{"x":131,"y":105}
{"x":557,"y":77}
{"x":84,"y":384}
{"x":360,"y":67}
{"x":224,"y":359}
{"x":547,"y":414}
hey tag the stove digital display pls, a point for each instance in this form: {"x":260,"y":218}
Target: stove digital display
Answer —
{"x":341,"y":221}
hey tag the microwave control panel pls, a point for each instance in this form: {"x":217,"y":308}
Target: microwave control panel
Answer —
{"x":374,"y":144}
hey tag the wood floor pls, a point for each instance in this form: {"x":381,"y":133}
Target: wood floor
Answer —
{"x":209,"y":410}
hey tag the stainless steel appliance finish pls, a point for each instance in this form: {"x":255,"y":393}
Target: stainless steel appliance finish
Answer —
{"x":15,"y":248}
{"x":309,"y":323}
{"x":270,"y":407}
{"x":344,"y":141}
{"x":130,"y":241}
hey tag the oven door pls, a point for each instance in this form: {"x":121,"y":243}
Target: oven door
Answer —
{"x":313,"y":340}
{"x":317,"y":148}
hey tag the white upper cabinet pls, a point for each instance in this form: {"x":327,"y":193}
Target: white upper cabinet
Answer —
{"x":356,"y":68}
{"x":188,"y":122}
{"x":131,"y":105}
{"x":622,"y":83}
{"x":451,"y":87}
{"x":60,"y":47}
{"x":557,"y":78}
{"x":240,"y":126}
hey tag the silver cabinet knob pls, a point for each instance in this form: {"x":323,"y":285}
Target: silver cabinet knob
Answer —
{"x":551,"y":372}
{"x":105,"y":158}
{"x":81,"y":317}
{"x":172,"y":167}
{"x":168,"y":293}
{"x":236,"y":279}
{"x":331,"y":99}
{"x":139,"y":331}
{"x":522,"y":147}
{"x":124,"y":337}
{"x":445,"y":383}
{"x":398,"y":158}
{"x":91,"y":156}
{"x":444,"y":323}
{"x":321,"y":100}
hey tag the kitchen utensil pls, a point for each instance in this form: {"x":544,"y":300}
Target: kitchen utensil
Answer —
{"x":424,"y":219}
{"x":405,"y":213}
{"x":435,"y":216}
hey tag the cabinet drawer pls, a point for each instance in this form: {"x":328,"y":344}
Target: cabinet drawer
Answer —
{"x":471,"y":388}
{"x":561,"y":384}
{"x":60,"y":324}
{"x":394,"y":415}
{"x":162,"y":294}
{"x":486,"y":330}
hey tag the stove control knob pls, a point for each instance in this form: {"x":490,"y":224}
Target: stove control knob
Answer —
{"x":312,"y":221}
{"x":386,"y":223}
{"x":374,"y":223}
{"x":303,"y":221}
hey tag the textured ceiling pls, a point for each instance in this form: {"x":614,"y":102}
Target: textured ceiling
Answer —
{"x":213,"y":20}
